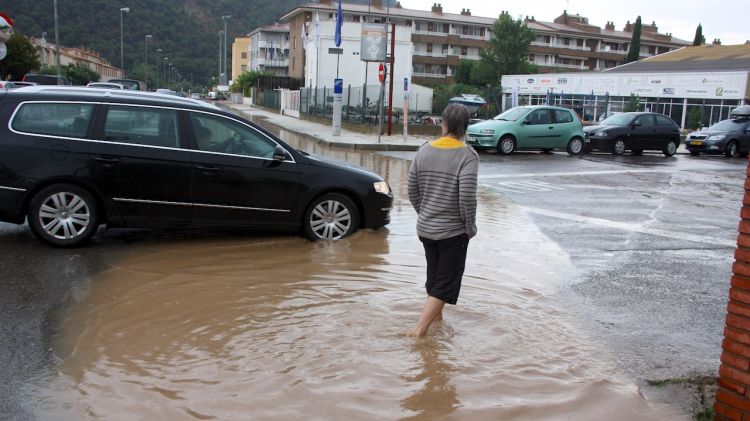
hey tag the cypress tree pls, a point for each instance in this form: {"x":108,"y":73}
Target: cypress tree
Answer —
{"x":699,"y":38}
{"x":634,"y":53}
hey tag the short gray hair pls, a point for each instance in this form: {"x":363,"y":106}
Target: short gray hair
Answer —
{"x":456,"y":119}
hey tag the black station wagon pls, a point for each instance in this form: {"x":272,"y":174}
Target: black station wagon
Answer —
{"x":72,"y":159}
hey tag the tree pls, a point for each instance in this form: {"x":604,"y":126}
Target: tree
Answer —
{"x":21,"y":58}
{"x":699,"y":38}
{"x":632,"y":105}
{"x":246,"y":80}
{"x":464,"y":71}
{"x":634,"y":53}
{"x":508,"y":53}
{"x":78,"y":75}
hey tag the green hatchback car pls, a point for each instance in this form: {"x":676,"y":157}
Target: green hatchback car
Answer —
{"x":539,"y":127}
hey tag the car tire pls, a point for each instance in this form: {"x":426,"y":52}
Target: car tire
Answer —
{"x":694,"y":153}
{"x":575,"y":146}
{"x":63,"y":215}
{"x":332,"y":216}
{"x":618,"y":148}
{"x":637,"y":151}
{"x":506,"y":145}
{"x":730,"y":151}
{"x":670,"y":149}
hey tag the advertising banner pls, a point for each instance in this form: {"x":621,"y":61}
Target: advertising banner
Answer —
{"x":372,"y":47}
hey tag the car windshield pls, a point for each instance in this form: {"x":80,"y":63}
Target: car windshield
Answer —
{"x":128,"y":84}
{"x":513,"y":114}
{"x":728,"y":125}
{"x":618,"y":120}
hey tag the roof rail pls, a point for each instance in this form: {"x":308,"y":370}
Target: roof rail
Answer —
{"x":112,"y":93}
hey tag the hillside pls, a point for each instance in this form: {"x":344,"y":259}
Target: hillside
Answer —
{"x":186,"y":31}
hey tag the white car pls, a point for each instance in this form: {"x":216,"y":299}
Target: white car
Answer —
{"x":166,"y":91}
{"x":105,"y":85}
{"x":195,"y":96}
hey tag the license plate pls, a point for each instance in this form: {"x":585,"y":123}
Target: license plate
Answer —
{"x":471,"y":139}
{"x":696,"y":142}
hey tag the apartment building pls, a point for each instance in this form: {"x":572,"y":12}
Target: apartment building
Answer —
{"x":240,"y":54}
{"x":75,"y":56}
{"x":440,"y":39}
{"x":572,"y":43}
{"x":269,"y":49}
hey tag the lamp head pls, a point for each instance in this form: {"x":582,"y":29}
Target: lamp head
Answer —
{"x":125,"y":9}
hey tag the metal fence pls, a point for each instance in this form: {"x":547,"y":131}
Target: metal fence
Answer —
{"x":360,"y":104}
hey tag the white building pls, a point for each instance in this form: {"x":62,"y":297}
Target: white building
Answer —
{"x":269,"y":49}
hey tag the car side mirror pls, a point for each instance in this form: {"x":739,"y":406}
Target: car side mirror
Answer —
{"x":526,"y":122}
{"x":279,"y":153}
{"x":634,"y":125}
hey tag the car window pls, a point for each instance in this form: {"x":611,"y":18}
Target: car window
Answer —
{"x":216,"y":134}
{"x":729,"y":125}
{"x":67,"y":120}
{"x":540,"y":117}
{"x":562,"y":116}
{"x":645,"y":120}
{"x":141,"y":126}
{"x":663,"y":120}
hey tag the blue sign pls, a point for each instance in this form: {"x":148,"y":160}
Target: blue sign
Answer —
{"x":338,"y":86}
{"x":406,"y":84}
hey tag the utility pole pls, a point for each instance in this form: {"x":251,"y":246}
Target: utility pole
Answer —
{"x":158,"y":54}
{"x":145,"y":68}
{"x":122,"y":48}
{"x":57,"y":44}
{"x":218,"y":81}
{"x":225,"y":19}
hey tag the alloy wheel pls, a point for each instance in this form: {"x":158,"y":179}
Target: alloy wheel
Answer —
{"x":619,"y":147}
{"x":64,"y":215}
{"x":330,"y":220}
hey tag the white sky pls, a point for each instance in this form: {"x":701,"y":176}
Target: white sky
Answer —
{"x":724,"y":19}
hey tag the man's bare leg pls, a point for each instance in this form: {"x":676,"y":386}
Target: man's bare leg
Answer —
{"x":432,"y":308}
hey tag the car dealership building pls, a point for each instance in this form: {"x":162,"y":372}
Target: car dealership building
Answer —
{"x":704,"y":82}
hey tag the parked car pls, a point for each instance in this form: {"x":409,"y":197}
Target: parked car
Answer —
{"x":7,"y":85}
{"x":635,"y":132}
{"x":730,"y":137}
{"x":195,"y":96}
{"x":105,"y":85}
{"x":131,"y":84}
{"x":536,"y":127}
{"x":73,"y":159}
{"x":165,"y":91}
{"x":46,"y":79}
{"x":20,"y":84}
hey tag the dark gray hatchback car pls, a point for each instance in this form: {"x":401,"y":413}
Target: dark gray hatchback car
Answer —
{"x":637,"y":131}
{"x":72,"y":159}
{"x":730,"y":137}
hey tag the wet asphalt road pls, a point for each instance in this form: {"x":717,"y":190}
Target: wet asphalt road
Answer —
{"x":652,"y":239}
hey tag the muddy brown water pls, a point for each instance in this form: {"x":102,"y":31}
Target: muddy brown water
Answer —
{"x":277,"y":327}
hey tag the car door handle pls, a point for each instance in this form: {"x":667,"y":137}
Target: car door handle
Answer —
{"x":107,"y":159}
{"x":207,"y":168}
{"x":551,"y":127}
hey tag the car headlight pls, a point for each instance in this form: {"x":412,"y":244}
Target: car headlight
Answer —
{"x":716,"y":137}
{"x":487,"y":131}
{"x":382,"y":187}
{"x":601,"y":134}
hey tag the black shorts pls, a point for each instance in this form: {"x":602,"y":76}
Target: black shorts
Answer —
{"x":446,"y":260}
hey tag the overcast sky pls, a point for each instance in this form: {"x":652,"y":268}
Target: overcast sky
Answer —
{"x":724,"y":19}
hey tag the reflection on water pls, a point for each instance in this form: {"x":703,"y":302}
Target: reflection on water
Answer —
{"x":282,"y":328}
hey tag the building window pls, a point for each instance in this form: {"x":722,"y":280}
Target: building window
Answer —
{"x":446,"y":28}
{"x":408,"y":22}
{"x":294,"y":62}
{"x":244,"y":55}
{"x":465,"y":30}
{"x":355,"y":18}
{"x":429,"y":47}
{"x":445,"y":48}
{"x":431,"y":27}
{"x":464,"y":51}
{"x":330,"y":16}
{"x":481,"y":32}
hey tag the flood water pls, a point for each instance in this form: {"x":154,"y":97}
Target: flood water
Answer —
{"x":277,"y":327}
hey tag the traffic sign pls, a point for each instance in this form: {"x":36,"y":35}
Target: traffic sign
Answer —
{"x":381,"y":73}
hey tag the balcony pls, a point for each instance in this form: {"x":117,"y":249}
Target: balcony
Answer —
{"x":459,"y":32}
{"x":560,"y":45}
{"x":429,"y":75}
{"x":426,"y":32}
{"x":568,"y":66}
{"x":611,"y":51}
{"x":277,"y":62}
{"x":429,"y":54}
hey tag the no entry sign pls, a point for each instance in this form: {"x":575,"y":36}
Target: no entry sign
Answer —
{"x":381,"y":73}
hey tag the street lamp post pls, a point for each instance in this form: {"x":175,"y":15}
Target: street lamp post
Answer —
{"x":57,"y":44}
{"x":221,"y":34}
{"x":170,"y":76}
{"x":225,"y":19}
{"x":158,"y":53}
{"x":164,"y":70}
{"x":145,"y":68}
{"x":122,"y":48}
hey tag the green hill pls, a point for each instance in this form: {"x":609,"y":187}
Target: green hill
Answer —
{"x":186,"y":31}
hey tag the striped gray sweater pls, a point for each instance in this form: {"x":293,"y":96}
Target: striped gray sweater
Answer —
{"x":443,"y":189}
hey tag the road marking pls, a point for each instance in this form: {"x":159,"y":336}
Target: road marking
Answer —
{"x":563,"y":174}
{"x":632,"y":227}
{"x":524,"y":186}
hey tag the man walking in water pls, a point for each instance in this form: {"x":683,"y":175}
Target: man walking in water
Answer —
{"x":443,"y":191}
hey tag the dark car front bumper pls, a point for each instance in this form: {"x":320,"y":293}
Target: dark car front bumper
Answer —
{"x":605,"y":143}
{"x":377,"y":210}
{"x":706,"y":146}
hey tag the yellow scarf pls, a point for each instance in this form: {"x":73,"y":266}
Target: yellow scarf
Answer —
{"x":447,"y":143}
